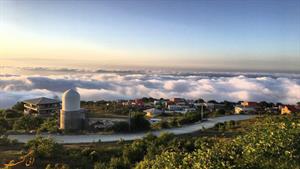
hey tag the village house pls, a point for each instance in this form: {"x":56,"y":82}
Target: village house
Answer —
{"x":249,"y":104}
{"x":289,"y":109}
{"x":246,"y":107}
{"x":179,"y":101}
{"x":241,"y":109}
{"x":153,"y":112}
{"x":43,"y":107}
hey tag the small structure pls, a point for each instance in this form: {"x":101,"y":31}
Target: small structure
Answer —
{"x":43,"y":107}
{"x":71,"y":116}
{"x":213,"y":106}
{"x":246,"y":107}
{"x":179,"y":101}
{"x":289,"y":109}
{"x":153,"y":112}
{"x":241,"y":109}
{"x":249,"y":104}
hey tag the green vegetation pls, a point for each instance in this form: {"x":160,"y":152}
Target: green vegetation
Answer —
{"x":264,"y":142}
{"x":45,"y":147}
{"x":49,"y":125}
{"x":137,"y":123}
{"x":103,"y":108}
{"x":270,"y":142}
{"x":27,"y":123}
{"x":14,"y":120}
{"x":4,"y":141}
{"x":4,"y":126}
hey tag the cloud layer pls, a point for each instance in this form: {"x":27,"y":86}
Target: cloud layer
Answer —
{"x":113,"y":85}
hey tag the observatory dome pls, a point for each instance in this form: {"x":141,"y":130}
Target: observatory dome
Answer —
{"x":71,"y":100}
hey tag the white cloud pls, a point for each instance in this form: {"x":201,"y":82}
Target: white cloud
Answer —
{"x":114,"y":85}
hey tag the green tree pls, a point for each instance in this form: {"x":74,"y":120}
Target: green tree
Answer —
{"x":45,"y":148}
{"x":120,"y":127}
{"x":99,"y":165}
{"x":58,"y":166}
{"x":3,"y":125}
{"x":19,"y":106}
{"x":138,"y":122}
{"x":118,"y":163}
{"x":10,"y":113}
{"x":134,"y":152}
{"x":28,"y":123}
{"x":49,"y":125}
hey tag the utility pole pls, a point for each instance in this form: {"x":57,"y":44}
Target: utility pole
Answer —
{"x":202,"y":112}
{"x":129,"y":120}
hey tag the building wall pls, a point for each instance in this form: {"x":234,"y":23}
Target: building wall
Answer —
{"x":72,"y":120}
{"x":285,"y":110}
{"x":41,"y":110}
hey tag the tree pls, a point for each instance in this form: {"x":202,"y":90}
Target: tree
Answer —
{"x":212,"y":101}
{"x":45,"y":148}
{"x":200,"y":100}
{"x":269,"y":143}
{"x":3,"y":125}
{"x":134,"y":152}
{"x":19,"y":106}
{"x":163,"y":124}
{"x":49,"y":125}
{"x":57,"y":166}
{"x":28,"y":123}
{"x":10,"y":113}
{"x":139,"y":123}
{"x":122,"y":126}
{"x":118,"y":163}
{"x":221,"y":112}
{"x":99,"y":165}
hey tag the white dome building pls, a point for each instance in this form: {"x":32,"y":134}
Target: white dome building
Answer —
{"x":71,"y":100}
{"x":71,"y":116}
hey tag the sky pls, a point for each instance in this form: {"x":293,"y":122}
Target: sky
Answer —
{"x":205,"y":34}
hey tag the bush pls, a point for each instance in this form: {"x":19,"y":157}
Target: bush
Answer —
{"x":118,"y":163}
{"x":270,"y":143}
{"x":134,"y":152}
{"x":120,"y":127}
{"x":99,"y":165}
{"x":139,"y":123}
{"x":28,"y":123}
{"x":5,"y":141}
{"x":19,"y":106}
{"x":189,"y":117}
{"x":3,"y":125}
{"x":49,"y":125}
{"x":10,"y":113}
{"x":163,"y":124}
{"x":174,"y":122}
{"x":57,"y":166}
{"x":45,"y":148}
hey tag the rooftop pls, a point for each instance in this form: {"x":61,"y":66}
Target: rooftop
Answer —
{"x":41,"y":100}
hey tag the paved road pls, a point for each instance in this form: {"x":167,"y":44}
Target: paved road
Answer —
{"x":115,"y":137}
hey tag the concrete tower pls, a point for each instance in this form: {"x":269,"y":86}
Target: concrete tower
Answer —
{"x":71,"y":116}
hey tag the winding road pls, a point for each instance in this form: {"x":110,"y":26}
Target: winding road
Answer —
{"x":90,"y":138}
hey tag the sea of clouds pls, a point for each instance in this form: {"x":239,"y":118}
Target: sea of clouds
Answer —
{"x":114,"y":85}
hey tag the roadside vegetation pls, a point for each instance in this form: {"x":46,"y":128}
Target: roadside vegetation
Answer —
{"x":263,"y":142}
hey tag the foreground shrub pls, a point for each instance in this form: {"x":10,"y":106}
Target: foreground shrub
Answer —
{"x":45,"y":148}
{"x":271,"y":143}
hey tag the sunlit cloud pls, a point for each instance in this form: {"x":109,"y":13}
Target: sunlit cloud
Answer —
{"x":116,"y":85}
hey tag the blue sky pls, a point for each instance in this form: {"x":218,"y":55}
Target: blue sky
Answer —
{"x":217,"y":34}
